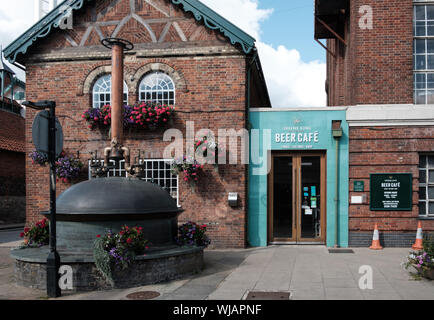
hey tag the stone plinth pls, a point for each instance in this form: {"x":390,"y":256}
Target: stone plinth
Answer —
{"x":154,"y":267}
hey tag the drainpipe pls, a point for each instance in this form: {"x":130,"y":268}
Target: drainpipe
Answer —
{"x":337,"y":134}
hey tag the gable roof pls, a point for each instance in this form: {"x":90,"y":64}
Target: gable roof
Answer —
{"x":43,"y":27}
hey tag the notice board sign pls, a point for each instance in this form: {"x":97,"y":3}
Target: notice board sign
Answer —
{"x":391,"y":192}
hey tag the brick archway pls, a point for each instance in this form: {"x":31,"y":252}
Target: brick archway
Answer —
{"x":176,"y":76}
{"x":100,"y":71}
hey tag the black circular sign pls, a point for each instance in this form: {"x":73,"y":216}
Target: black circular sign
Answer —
{"x":40,"y":133}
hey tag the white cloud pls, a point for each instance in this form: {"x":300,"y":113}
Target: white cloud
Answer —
{"x":291,"y":82}
{"x":244,"y":13}
{"x":15,"y":18}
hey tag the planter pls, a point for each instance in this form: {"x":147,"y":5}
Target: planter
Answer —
{"x":429,"y":273}
{"x":426,"y":273}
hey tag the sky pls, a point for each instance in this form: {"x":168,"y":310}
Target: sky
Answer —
{"x":293,"y":63}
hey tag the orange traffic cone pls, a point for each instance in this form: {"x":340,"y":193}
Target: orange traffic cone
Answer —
{"x":376,"y":240}
{"x":418,"y":244}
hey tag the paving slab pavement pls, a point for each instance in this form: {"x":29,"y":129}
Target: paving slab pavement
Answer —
{"x":307,"y":272}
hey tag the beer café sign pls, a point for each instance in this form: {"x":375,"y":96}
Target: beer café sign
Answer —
{"x":300,"y":137}
{"x":391,"y":192}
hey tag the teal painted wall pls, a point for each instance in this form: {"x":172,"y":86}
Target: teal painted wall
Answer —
{"x":317,"y":126}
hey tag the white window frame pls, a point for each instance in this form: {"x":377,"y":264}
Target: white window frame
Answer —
{"x":422,"y":87}
{"x":102,"y":86}
{"x":426,"y":185}
{"x":120,"y":172}
{"x":157,"y":83}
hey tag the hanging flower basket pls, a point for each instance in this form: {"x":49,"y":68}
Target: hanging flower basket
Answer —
{"x":189,"y":167}
{"x":101,"y":117}
{"x":146,"y":115}
{"x":39,"y":158}
{"x":67,"y":167}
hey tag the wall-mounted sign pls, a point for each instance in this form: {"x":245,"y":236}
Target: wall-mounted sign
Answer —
{"x":359,"y":186}
{"x":391,"y":192}
{"x":297,"y":137}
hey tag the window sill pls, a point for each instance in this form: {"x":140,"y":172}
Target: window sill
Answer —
{"x":426,"y":218}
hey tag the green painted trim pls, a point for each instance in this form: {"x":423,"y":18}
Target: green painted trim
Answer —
{"x":214,"y":21}
{"x":43,"y":27}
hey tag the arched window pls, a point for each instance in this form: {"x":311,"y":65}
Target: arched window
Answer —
{"x":157,"y":87}
{"x":102,"y":91}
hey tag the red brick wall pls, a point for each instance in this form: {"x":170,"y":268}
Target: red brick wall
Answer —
{"x":12,"y":167}
{"x":376,"y":66}
{"x":214,"y":98}
{"x":12,"y":164}
{"x":384,"y":150}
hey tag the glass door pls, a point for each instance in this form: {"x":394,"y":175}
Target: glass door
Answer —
{"x":310,"y":199}
{"x":282,"y":185}
{"x":296,"y":198}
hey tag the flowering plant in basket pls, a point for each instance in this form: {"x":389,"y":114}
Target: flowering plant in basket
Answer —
{"x":150,"y":114}
{"x":37,"y":235}
{"x":422,"y":260}
{"x":101,"y":117}
{"x":188,"y":166}
{"x":39,"y":158}
{"x":191,"y":233}
{"x":124,"y":245}
{"x":67,"y":167}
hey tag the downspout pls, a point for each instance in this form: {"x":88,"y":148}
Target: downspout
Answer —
{"x":337,"y":194}
{"x":337,"y":134}
{"x":247,"y":170}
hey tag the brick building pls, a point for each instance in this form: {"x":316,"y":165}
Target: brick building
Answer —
{"x":379,"y":62}
{"x":12,"y":163}
{"x":194,"y":58}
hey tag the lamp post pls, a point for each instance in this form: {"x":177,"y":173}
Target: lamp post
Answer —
{"x":53,"y":259}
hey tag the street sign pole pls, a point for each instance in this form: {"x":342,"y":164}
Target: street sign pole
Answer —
{"x":53,"y":259}
{"x":40,"y":138}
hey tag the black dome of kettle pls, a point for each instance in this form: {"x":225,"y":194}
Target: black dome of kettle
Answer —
{"x":115,"y":195}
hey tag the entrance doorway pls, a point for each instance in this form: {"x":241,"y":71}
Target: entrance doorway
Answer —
{"x":297,"y":198}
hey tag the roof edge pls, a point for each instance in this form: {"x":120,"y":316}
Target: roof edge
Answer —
{"x":43,"y":27}
{"x":215,"y":21}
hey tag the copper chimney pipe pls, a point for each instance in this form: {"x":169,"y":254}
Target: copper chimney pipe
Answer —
{"x":118,"y":46}
{"x":117,"y":94}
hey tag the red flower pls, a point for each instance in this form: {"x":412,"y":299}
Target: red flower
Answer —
{"x":26,"y":230}
{"x":22,"y":234}
{"x":129,"y":240}
{"x":98,"y":236}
